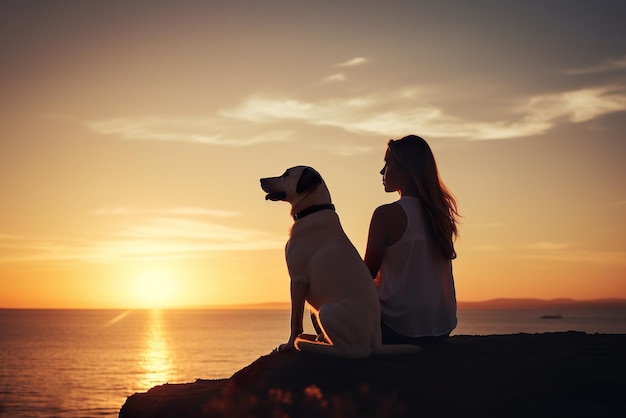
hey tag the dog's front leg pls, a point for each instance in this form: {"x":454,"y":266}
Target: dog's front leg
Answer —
{"x":298,"y":298}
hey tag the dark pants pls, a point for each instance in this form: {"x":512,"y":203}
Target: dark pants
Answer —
{"x":392,"y":337}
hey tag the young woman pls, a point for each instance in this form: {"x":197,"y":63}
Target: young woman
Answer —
{"x":410,"y":247}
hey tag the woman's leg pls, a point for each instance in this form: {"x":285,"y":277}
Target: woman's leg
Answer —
{"x":392,"y":337}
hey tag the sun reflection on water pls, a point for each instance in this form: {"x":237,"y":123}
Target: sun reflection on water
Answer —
{"x":155,"y":360}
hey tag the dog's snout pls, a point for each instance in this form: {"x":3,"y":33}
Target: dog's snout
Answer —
{"x":273,"y":193}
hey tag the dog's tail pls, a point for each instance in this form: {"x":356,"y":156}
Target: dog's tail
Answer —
{"x":395,"y":349}
{"x":331,"y":350}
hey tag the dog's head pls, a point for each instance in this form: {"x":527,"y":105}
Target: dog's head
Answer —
{"x":296,"y":185}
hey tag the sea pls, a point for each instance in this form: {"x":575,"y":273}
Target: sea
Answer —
{"x":85,"y":363}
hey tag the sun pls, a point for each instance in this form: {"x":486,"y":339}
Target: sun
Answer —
{"x":154,"y":289}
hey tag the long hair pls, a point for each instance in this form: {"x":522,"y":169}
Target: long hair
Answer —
{"x":414,"y":154}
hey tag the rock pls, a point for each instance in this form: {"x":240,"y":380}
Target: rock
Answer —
{"x":540,"y":375}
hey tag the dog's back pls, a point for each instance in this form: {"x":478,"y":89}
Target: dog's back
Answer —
{"x":340,"y":284}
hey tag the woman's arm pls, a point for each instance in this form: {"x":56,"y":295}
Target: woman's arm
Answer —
{"x":386,"y":228}
{"x":377,"y":240}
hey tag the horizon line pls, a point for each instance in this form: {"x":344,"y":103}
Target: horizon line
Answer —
{"x":489,"y":303}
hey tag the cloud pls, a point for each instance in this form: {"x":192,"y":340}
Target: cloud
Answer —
{"x":263,"y":110}
{"x":176,"y":228}
{"x":339,"y":77}
{"x":31,"y":249}
{"x":580,"y":256}
{"x":353,"y":62}
{"x":549,"y":246}
{"x":188,"y":211}
{"x":388,"y":113}
{"x":333,"y":78}
{"x":176,"y":238}
{"x":486,"y":248}
{"x":202,"y":131}
{"x":572,"y":253}
{"x":575,"y":106}
{"x":346,"y":150}
{"x":489,"y":225}
{"x":398,"y":112}
{"x":610,"y":65}
{"x":154,"y":237}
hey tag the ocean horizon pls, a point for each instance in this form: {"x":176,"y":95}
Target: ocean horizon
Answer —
{"x":85,"y":362}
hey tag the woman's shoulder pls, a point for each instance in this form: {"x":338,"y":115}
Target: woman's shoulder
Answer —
{"x":388,"y":210}
{"x":390,"y":214}
{"x":392,"y":219}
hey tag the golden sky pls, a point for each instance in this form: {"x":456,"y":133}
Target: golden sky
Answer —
{"x":133,"y":136}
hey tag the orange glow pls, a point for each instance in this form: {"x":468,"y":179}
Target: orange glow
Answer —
{"x":155,"y":360}
{"x":155,"y":289}
{"x":130,"y":158}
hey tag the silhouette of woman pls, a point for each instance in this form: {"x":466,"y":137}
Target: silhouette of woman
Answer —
{"x":410,"y":247}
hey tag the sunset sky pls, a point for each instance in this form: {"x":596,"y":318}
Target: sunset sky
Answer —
{"x":133,"y":135}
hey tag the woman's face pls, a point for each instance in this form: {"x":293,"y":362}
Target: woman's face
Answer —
{"x":394,"y":175}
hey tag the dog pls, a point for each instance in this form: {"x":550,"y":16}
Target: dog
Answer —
{"x":327,"y":272}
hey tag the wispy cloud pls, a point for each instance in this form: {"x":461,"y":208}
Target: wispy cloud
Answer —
{"x":610,"y":65}
{"x":33,"y":248}
{"x":146,"y":238}
{"x":575,"y":106}
{"x":486,"y":248}
{"x":177,"y":228}
{"x":259,"y":109}
{"x":185,"y":211}
{"x":179,"y":238}
{"x":339,"y":77}
{"x":347,"y":150}
{"x":549,"y":246}
{"x":397,"y":112}
{"x":571,"y":253}
{"x":202,"y":131}
{"x":389,"y":113}
{"x":353,"y":62}
{"x":489,"y":225}
{"x":333,"y":78}
{"x":580,"y":256}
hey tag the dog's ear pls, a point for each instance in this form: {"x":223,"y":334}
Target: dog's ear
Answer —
{"x":308,"y":179}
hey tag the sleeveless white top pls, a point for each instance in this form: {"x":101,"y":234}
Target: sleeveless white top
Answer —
{"x":417,"y":296}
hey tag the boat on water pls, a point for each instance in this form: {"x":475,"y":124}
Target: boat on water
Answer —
{"x":551,"y":316}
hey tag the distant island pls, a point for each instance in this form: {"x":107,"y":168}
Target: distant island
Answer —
{"x":500,"y":303}
{"x":558,"y":316}
{"x":504,"y":303}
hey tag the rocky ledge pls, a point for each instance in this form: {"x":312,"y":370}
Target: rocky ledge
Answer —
{"x":569,"y":374}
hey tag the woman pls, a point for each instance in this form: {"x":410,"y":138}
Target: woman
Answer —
{"x":410,"y":247}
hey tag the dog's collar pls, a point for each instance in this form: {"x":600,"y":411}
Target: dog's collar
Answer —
{"x":312,"y":209}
